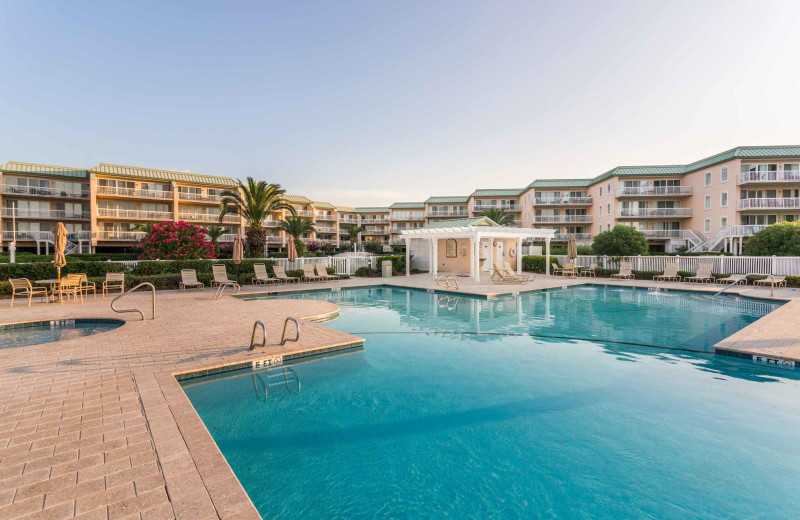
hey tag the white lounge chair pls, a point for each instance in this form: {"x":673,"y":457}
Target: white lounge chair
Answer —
{"x":780,"y":281}
{"x":310,"y":276}
{"x":323,"y":271}
{"x":670,"y":273}
{"x":734,"y":278}
{"x":703,"y":274}
{"x":624,"y":271}
{"x":261,"y":275}
{"x":280,"y":274}
{"x":189,"y":279}
{"x":222,"y":281}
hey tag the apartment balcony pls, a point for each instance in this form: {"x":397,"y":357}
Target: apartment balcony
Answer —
{"x":325,"y":229}
{"x":579,"y":237}
{"x":303,"y":213}
{"x":30,"y":191}
{"x":654,"y":213}
{"x":505,"y":207}
{"x":663,"y":234}
{"x":419,"y":218}
{"x":348,"y":220}
{"x":42,"y":236}
{"x":54,"y":214}
{"x":132,"y":193}
{"x":447,"y":214}
{"x":208,"y":217}
{"x":199,"y":197}
{"x":132,"y":214}
{"x":274,"y":240}
{"x":653,"y":191}
{"x":127,"y":236}
{"x":562,"y":219}
{"x":326,"y":217}
{"x":564,"y":201}
{"x":270,"y":222}
{"x":779,"y":204}
{"x":375,"y":221}
{"x":782,"y":176}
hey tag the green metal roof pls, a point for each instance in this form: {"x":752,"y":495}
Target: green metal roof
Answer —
{"x":407,"y":205}
{"x":161,"y":175}
{"x":561,"y":183}
{"x":462,"y":222}
{"x":514,"y":192}
{"x":297,"y":199}
{"x":44,"y":169}
{"x":448,"y":200}
{"x":372,"y":210}
{"x":345,"y":209}
{"x":319,"y":204}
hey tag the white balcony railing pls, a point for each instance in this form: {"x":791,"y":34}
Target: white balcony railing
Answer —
{"x":654,"y":191}
{"x":11,"y":189}
{"x":561,"y":219}
{"x":303,"y":213}
{"x":133,"y":192}
{"x":776,"y":176}
{"x":578,"y":236}
{"x":374,"y":221}
{"x":564,"y":201}
{"x":45,"y":213}
{"x":322,"y":216}
{"x":134,"y":214}
{"x":200,"y":197}
{"x":455,"y":214}
{"x":662,"y":233}
{"x":120,"y":235}
{"x":271,"y":222}
{"x":45,"y":236}
{"x":325,"y":229}
{"x":504,"y":207}
{"x":348,"y":220}
{"x":207,"y":217}
{"x":780,"y":203}
{"x":274,"y":240}
{"x":653,"y":212}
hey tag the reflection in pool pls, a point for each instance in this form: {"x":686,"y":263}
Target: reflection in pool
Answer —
{"x":38,"y":332}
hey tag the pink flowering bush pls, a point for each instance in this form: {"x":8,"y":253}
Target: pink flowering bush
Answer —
{"x":175,"y":241}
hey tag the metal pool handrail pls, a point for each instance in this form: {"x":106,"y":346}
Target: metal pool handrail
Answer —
{"x":297,"y":328}
{"x":152,"y":288}
{"x":253,"y":337}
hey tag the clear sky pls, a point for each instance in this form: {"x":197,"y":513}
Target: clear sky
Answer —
{"x":374,"y":102}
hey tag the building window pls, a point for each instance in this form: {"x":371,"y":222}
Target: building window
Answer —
{"x":723,"y":199}
{"x":723,"y":174}
{"x":608,"y":188}
{"x":707,"y":225}
{"x":707,"y":202}
{"x":601,"y":191}
{"x":723,"y":222}
{"x":708,"y":178}
{"x":600,"y":210}
{"x":608,"y":209}
{"x":608,"y":227}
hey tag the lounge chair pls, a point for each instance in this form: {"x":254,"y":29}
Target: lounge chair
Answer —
{"x":734,"y":278}
{"x":555,"y":270}
{"x":510,"y":271}
{"x":670,"y":273}
{"x":189,"y":279}
{"x":222,"y":281}
{"x":261,"y":275}
{"x":310,"y":276}
{"x":86,"y":285}
{"x":113,"y":282}
{"x":589,"y":271}
{"x":280,"y":274}
{"x":703,"y":274}
{"x":780,"y":281}
{"x":23,"y":287}
{"x":500,"y":275}
{"x":624,"y":271}
{"x":323,"y":271}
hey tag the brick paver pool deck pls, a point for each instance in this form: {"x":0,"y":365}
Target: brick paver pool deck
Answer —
{"x":99,"y":428}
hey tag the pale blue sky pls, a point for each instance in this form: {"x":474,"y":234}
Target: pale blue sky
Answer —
{"x":394,"y":100}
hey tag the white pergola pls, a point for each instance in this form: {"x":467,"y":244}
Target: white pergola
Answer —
{"x":475,"y":234}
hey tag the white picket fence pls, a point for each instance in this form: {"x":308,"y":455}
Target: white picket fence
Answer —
{"x":778,"y":265}
{"x":343,"y":264}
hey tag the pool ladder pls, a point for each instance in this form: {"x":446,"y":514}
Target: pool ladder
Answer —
{"x":276,"y":377}
{"x":152,"y":288}
{"x":259,"y":323}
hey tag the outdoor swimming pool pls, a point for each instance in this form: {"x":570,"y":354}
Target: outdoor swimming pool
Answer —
{"x":38,"y":332}
{"x":469,"y":408}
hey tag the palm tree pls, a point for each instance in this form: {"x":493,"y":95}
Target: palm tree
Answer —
{"x":214,"y":232}
{"x":352,"y":233}
{"x":255,"y":201}
{"x":147,"y":227}
{"x":296,"y":227}
{"x":499,"y":216}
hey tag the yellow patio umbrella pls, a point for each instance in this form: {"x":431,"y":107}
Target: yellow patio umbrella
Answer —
{"x":59,"y":260}
{"x":572,"y":248}
{"x":238,"y":248}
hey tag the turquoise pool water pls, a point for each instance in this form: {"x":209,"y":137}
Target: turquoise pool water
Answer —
{"x":470,"y":408}
{"x":38,"y":332}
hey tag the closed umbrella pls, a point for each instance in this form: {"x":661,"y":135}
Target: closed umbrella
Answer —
{"x":238,"y":248}
{"x":572,"y":248}
{"x":292,"y":251}
{"x":59,"y":259}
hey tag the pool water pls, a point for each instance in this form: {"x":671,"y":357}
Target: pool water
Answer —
{"x":577,"y":403}
{"x":38,"y":332}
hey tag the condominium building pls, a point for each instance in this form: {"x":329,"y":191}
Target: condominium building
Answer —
{"x":711,"y":204}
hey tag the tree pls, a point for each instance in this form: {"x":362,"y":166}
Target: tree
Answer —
{"x":353,"y":231}
{"x":296,"y":227}
{"x":620,"y":241}
{"x":175,"y":241}
{"x":254,"y":201}
{"x":499,"y":216}
{"x":146,"y":227}
{"x":778,"y":239}
{"x":214,"y":232}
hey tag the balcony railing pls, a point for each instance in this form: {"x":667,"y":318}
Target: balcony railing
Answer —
{"x":655,"y":191}
{"x":120,"y":235}
{"x":504,"y":207}
{"x":654,"y":212}
{"x":326,"y":217}
{"x":455,"y":214}
{"x":348,"y":220}
{"x":134,"y":214}
{"x":778,"y":203}
{"x":12,"y":189}
{"x":207,"y":217}
{"x":561,"y":219}
{"x":776,"y":176}
{"x":662,"y":233}
{"x":200,"y":197}
{"x":325,"y":229}
{"x":744,"y":231}
{"x":303,"y":213}
{"x":133,"y":192}
{"x":564,"y":201}
{"x":274,"y":240}
{"x":578,"y":236}
{"x":46,"y":214}
{"x":374,"y":221}
{"x":270,"y":222}
{"x":46,"y":236}
{"x":412,"y":218}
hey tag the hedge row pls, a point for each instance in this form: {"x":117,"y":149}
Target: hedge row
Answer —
{"x":537,"y":263}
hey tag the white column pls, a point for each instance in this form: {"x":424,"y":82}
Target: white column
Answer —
{"x":547,"y":256}
{"x":408,"y":259}
{"x":471,"y":258}
{"x":476,"y":258}
{"x":519,"y":255}
{"x":435,"y":249}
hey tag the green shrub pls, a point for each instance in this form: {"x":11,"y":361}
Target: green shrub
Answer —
{"x":398,"y":263}
{"x":41,"y":270}
{"x":363,"y":271}
{"x":295,"y":273}
{"x":778,"y":239}
{"x":536,"y":263}
{"x":371,"y":246}
{"x":620,"y":241}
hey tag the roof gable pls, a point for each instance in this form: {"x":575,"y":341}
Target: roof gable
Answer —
{"x":462,"y":222}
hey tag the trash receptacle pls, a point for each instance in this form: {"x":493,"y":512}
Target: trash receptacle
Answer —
{"x":386,"y":268}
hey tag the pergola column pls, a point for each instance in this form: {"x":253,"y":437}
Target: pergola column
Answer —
{"x":472,"y":258}
{"x":408,"y":257}
{"x":519,"y":255}
{"x":435,"y":254}
{"x":547,"y":256}
{"x":476,"y":258}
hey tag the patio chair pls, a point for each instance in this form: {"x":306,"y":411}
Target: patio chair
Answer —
{"x":589,"y":271}
{"x":624,"y":271}
{"x":780,"y":281}
{"x":569,"y":270}
{"x":703,"y":274}
{"x":189,"y":279}
{"x":280,"y":274}
{"x":221,"y":280}
{"x":113,"y":282}
{"x":86,"y":285}
{"x":261,"y":275}
{"x":23,"y":287}
{"x":510,"y":271}
{"x":501,"y":276}
{"x":446,"y":280}
{"x":310,"y":276}
{"x":734,"y":279}
{"x":670,"y":273}
{"x":70,"y":286}
{"x":323,"y":271}
{"x":555,"y":270}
